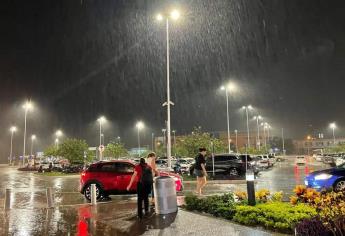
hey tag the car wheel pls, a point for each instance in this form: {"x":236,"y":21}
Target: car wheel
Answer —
{"x":233,"y":172}
{"x":87,"y":192}
{"x":339,"y":185}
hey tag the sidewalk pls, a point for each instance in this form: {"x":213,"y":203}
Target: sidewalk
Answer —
{"x":114,"y":218}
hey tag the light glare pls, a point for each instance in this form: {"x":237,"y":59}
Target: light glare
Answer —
{"x":175,"y":14}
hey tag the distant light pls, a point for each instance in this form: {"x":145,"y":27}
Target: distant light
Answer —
{"x":222,"y":88}
{"x":231,"y":87}
{"x":244,"y":107}
{"x":101,"y":119}
{"x":139,"y":125}
{"x":56,"y":140}
{"x":13,"y":129}
{"x":332,"y":125}
{"x":33,"y":137}
{"x":159,"y":17}
{"x":58,"y":133}
{"x":250,"y":107}
{"x":175,"y":14}
{"x":27,"y":105}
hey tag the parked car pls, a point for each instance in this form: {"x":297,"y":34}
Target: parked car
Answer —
{"x":75,"y":167}
{"x":112,"y":177}
{"x":300,"y":160}
{"x":340,"y":161}
{"x":224,"y":164}
{"x":262,"y":161}
{"x":329,"y":178}
{"x":182,"y":166}
{"x":161,"y":163}
{"x":318,"y":157}
{"x":272,"y":159}
{"x":329,"y":159}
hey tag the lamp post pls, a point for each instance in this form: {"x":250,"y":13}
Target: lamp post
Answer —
{"x":58,"y":134}
{"x":236,"y":140}
{"x":230,"y":87}
{"x":139,"y":125}
{"x":333,"y":126}
{"x":100,"y":120}
{"x":173,"y":15}
{"x":56,"y":143}
{"x":308,"y":143}
{"x":13,"y":129}
{"x":174,"y":132}
{"x":27,"y":106}
{"x":246,"y":108}
{"x":164,"y":140}
{"x":33,"y":138}
{"x":283,"y":140}
{"x":152,"y":141}
{"x":257,"y":118}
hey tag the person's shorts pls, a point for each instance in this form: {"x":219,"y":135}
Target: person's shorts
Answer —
{"x":199,"y":173}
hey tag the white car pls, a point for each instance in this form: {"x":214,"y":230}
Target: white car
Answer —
{"x":339,"y":161}
{"x":300,"y":160}
{"x":262,"y":161}
{"x":318,"y":157}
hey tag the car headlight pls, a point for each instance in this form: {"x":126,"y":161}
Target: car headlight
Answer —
{"x":322,"y":176}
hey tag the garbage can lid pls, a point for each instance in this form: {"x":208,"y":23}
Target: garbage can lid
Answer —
{"x":163,"y":177}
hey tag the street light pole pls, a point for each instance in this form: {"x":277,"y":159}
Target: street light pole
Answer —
{"x":283,"y":141}
{"x":333,"y":126}
{"x":236,"y":140}
{"x":26,"y":107}
{"x":174,"y":15}
{"x":139,"y":126}
{"x":164,"y":140}
{"x":228,"y":88}
{"x":33,"y":137}
{"x":258,"y":143}
{"x":13,"y":129}
{"x":174,"y":132}
{"x":153,"y":147}
{"x":246,"y":109}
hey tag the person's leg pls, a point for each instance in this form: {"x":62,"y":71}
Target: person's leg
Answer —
{"x":152,"y":195}
{"x":197,"y":185}
{"x":203,"y":183}
{"x":147,"y":190}
{"x":140,"y":200}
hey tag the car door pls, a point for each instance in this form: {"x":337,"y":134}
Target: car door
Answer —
{"x":125,"y":171}
{"x":108,"y":176}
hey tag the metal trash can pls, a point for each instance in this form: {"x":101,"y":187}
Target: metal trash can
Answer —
{"x":165,"y":195}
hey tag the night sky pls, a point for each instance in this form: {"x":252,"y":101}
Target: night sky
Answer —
{"x":79,"y":59}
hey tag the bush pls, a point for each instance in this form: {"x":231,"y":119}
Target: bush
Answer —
{"x":217,"y":205}
{"x":275,"y":215}
{"x":312,"y":227}
{"x":304,"y":195}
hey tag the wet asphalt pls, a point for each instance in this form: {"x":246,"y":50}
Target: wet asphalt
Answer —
{"x":74,"y":216}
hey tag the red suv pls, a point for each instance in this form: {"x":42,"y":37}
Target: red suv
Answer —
{"x":112,"y":177}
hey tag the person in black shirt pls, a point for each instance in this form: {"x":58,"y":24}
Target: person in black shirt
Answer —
{"x":200,"y":170}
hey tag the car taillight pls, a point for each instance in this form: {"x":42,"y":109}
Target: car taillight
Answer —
{"x":83,"y":174}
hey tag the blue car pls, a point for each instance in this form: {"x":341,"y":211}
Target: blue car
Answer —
{"x":325,"y":179}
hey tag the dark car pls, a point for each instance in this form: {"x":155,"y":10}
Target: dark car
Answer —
{"x":329,"y":178}
{"x":113,"y":177}
{"x":224,"y":164}
{"x":75,"y":167}
{"x":329,"y":159}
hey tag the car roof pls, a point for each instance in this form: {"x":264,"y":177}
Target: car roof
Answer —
{"x":115,"y":161}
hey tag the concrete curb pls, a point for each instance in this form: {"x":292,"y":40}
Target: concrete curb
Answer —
{"x":233,"y":181}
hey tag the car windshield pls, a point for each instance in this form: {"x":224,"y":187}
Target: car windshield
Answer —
{"x":300,"y":157}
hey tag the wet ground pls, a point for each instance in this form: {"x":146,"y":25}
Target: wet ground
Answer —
{"x":74,"y":216}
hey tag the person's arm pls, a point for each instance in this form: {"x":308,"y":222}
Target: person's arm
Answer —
{"x":132,"y":179}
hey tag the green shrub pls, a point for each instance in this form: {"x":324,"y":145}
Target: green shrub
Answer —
{"x":217,"y":205}
{"x":276,"y":215}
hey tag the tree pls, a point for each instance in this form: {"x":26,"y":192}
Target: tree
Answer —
{"x":51,"y":150}
{"x":190,"y":144}
{"x":73,"y":150}
{"x":115,"y":150}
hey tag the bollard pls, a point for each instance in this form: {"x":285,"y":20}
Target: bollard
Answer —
{"x":50,"y":199}
{"x":8,"y":199}
{"x":93,"y":194}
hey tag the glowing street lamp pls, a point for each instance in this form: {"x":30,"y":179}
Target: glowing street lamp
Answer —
{"x":230,"y":87}
{"x":27,"y":107}
{"x":174,"y":15}
{"x":13,"y":129}
{"x":139,"y":125}
{"x":333,"y":126}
